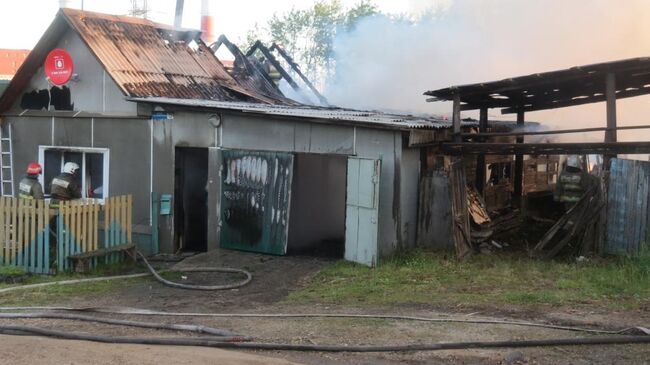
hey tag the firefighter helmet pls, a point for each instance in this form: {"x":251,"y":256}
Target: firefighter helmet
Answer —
{"x":70,"y":168}
{"x":34,"y":168}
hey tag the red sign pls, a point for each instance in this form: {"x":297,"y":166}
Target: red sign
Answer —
{"x":59,"y":66}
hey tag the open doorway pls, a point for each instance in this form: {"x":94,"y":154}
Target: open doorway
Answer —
{"x":317,"y":215}
{"x":191,"y":197}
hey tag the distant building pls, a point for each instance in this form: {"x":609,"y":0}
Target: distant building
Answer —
{"x":10,"y":61}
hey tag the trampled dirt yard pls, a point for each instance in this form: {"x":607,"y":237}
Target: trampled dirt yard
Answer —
{"x":420,"y":284}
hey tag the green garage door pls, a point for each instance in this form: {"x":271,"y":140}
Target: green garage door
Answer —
{"x":255,"y":201}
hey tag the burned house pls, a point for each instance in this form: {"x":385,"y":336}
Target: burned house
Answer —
{"x":211,"y":159}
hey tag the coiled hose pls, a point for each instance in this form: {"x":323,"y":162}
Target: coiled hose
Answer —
{"x":155,"y":274}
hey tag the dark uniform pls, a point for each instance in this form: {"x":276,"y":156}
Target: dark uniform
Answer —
{"x":64,"y":187}
{"x":30,"y":188}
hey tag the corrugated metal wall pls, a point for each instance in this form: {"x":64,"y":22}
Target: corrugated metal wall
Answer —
{"x":627,"y":207}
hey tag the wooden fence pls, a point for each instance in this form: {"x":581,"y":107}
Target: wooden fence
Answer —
{"x":24,"y":231}
{"x":81,"y":226}
{"x":628,"y":208}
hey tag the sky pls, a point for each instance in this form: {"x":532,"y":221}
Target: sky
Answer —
{"x":26,"y":20}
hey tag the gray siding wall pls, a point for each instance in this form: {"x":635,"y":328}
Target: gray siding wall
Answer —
{"x":187,"y":129}
{"x":95,"y":91}
{"x":127,"y":140}
{"x":284,"y":135}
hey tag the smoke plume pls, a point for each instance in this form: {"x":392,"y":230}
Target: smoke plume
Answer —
{"x":388,"y":64}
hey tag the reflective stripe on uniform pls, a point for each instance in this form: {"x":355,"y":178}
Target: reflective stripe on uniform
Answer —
{"x":60,"y":182}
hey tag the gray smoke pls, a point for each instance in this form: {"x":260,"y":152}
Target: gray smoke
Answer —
{"x":386,"y":64}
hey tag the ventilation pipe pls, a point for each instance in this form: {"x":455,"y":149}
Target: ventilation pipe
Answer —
{"x":178,"y":15}
{"x":207,"y":23}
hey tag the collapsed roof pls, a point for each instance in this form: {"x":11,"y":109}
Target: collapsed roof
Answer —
{"x":143,"y":58}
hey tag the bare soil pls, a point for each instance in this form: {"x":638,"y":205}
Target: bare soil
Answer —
{"x":275,"y":277}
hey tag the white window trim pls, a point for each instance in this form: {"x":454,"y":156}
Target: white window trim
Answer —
{"x":104,"y":151}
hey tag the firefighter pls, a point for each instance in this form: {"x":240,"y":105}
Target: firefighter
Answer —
{"x":64,"y":187}
{"x":29,"y":187}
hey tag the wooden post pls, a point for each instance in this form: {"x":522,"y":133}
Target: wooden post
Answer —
{"x":519,"y":165}
{"x":456,"y":119}
{"x":480,"y":159}
{"x":610,"y":94}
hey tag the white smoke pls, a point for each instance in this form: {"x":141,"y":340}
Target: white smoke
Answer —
{"x":387,"y":64}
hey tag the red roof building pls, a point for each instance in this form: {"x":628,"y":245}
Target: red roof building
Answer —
{"x":10,"y":61}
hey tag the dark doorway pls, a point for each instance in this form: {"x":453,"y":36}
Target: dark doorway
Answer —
{"x":317,"y":223}
{"x":191,"y":199}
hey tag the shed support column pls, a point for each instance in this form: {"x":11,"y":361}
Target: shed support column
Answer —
{"x":456,"y":119}
{"x":519,"y":165}
{"x":610,"y":134}
{"x":480,"y":160}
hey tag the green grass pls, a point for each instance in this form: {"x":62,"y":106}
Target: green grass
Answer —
{"x":61,"y":293}
{"x":485,"y":280}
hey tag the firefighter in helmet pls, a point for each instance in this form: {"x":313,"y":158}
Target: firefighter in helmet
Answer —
{"x":29,"y":187}
{"x":65,"y":187}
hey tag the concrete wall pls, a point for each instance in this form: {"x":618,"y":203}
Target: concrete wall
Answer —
{"x":95,"y":91}
{"x":317,"y":201}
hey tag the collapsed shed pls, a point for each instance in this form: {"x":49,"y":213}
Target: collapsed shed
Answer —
{"x":564,"y":88}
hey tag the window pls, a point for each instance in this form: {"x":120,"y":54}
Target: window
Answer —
{"x":93,"y":168}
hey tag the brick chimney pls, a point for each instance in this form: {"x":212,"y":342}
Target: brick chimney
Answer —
{"x":207,"y":23}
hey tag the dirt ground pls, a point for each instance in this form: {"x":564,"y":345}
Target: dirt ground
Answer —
{"x":275,"y":277}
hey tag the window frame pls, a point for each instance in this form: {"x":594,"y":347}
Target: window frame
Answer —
{"x":106,"y":153}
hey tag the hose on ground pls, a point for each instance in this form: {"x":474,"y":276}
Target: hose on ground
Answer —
{"x":220,"y":343}
{"x":148,"y":312}
{"x":122,"y":322}
{"x":155,"y":274}
{"x":248,"y":275}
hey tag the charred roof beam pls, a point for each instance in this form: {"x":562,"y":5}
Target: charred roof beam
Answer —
{"x":296,"y":69}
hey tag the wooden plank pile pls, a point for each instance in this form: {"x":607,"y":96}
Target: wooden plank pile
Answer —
{"x":579,"y":229}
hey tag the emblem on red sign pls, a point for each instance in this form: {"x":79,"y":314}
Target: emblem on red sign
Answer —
{"x":59,"y":66}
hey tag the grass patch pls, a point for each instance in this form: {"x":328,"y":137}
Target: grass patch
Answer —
{"x":429,"y":278}
{"x":58,"y":293}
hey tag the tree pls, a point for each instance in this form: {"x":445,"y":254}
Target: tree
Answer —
{"x":308,"y":35}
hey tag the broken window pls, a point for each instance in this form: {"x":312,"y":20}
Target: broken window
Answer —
{"x":93,"y":169}
{"x":500,"y":172}
{"x":58,"y":97}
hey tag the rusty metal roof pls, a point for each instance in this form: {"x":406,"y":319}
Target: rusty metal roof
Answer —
{"x":143,"y":58}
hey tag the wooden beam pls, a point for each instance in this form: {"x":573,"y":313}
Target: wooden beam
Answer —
{"x":480,"y":160}
{"x":595,"y":148}
{"x":558,"y":131}
{"x":610,"y":135}
{"x":519,"y":164}
{"x":574,"y":102}
{"x":456,"y":118}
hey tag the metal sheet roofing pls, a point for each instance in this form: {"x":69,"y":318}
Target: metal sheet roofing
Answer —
{"x":344,"y":116}
{"x":556,"y":89}
{"x":142,"y":57}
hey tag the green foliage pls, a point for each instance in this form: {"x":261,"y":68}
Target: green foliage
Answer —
{"x":496,"y":280}
{"x":308,"y":35}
